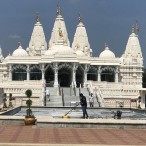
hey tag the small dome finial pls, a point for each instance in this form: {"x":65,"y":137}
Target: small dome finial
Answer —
{"x":58,"y":10}
{"x":133,"y":29}
{"x":80,"y":18}
{"x":106,"y":45}
{"x":19,"y":43}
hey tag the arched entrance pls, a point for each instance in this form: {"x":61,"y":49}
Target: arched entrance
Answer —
{"x":49,"y":76}
{"x":108,"y":74}
{"x":35,"y":72}
{"x":79,"y":77}
{"x":19,"y":73}
{"x":64,"y":77}
{"x":92,"y":74}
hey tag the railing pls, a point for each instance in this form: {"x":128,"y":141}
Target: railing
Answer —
{"x":74,"y":89}
{"x":18,"y":88}
{"x":97,"y":93}
{"x":59,"y":90}
{"x":100,"y":98}
{"x":63,"y":103}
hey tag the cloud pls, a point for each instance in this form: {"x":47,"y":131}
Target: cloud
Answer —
{"x":14,"y":36}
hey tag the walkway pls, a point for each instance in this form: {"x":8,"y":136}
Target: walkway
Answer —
{"x":23,"y":135}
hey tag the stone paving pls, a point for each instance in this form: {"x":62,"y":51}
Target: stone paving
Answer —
{"x":26,"y":135}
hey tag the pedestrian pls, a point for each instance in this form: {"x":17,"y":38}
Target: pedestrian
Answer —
{"x":48,"y":94}
{"x":83,"y":103}
{"x":91,"y":100}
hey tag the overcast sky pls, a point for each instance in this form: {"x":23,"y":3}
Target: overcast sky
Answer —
{"x":105,"y":20}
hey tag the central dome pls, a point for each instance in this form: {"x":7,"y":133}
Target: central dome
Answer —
{"x":62,"y":50}
{"x":107,"y":54}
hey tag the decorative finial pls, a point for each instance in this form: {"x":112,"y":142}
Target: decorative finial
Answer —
{"x":133,"y":29}
{"x":19,"y":43}
{"x":37,"y":17}
{"x":80,"y":18}
{"x":106,"y":45}
{"x":58,"y":10}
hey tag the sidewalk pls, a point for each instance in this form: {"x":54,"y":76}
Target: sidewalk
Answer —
{"x":34,"y":136}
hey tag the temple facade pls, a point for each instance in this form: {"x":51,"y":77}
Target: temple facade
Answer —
{"x":58,"y":63}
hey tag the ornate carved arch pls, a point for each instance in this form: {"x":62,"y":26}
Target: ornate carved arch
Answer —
{"x":19,"y":72}
{"x":108,"y":73}
{"x":19,"y":66}
{"x":65,"y":65}
{"x":48,"y":66}
{"x":93,"y":68}
{"x":35,"y":66}
{"x":108,"y":68}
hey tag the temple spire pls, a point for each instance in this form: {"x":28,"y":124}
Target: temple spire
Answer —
{"x":133,"y":48}
{"x":80,"y":41}
{"x":37,"y":44}
{"x":59,"y":31}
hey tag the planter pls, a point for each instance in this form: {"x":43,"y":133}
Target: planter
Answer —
{"x":30,"y":120}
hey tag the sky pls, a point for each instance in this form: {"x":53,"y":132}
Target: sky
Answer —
{"x":107,"y":21}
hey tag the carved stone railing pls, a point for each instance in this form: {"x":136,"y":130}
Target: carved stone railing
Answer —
{"x":109,"y":93}
{"x":18,"y":88}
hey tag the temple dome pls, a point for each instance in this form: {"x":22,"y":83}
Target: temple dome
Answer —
{"x":20,"y":52}
{"x":63,"y":50}
{"x":107,"y":54}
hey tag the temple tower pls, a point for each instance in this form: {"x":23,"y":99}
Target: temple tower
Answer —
{"x":132,"y":67}
{"x":37,"y":44}
{"x":80,"y":41}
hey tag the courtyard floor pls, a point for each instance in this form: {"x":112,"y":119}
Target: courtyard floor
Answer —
{"x":32,"y":135}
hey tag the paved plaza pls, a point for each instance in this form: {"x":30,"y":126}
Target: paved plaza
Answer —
{"x":32,"y":135}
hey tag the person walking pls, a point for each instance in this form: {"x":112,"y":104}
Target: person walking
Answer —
{"x":83,"y":103}
{"x":91,"y":100}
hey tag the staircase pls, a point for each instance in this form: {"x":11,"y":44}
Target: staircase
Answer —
{"x":55,"y":101}
{"x":70,"y":98}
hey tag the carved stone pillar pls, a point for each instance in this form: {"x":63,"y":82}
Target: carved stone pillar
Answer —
{"x":55,"y":65}
{"x":116,"y":75}
{"x":85,"y":75}
{"x":28,"y":72}
{"x":10,"y":72}
{"x":75,"y":65}
{"x":43,"y":72}
{"x":99,"y":74}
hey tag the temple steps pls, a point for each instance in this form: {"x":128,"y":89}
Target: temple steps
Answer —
{"x":55,"y":101}
{"x":69,"y":98}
